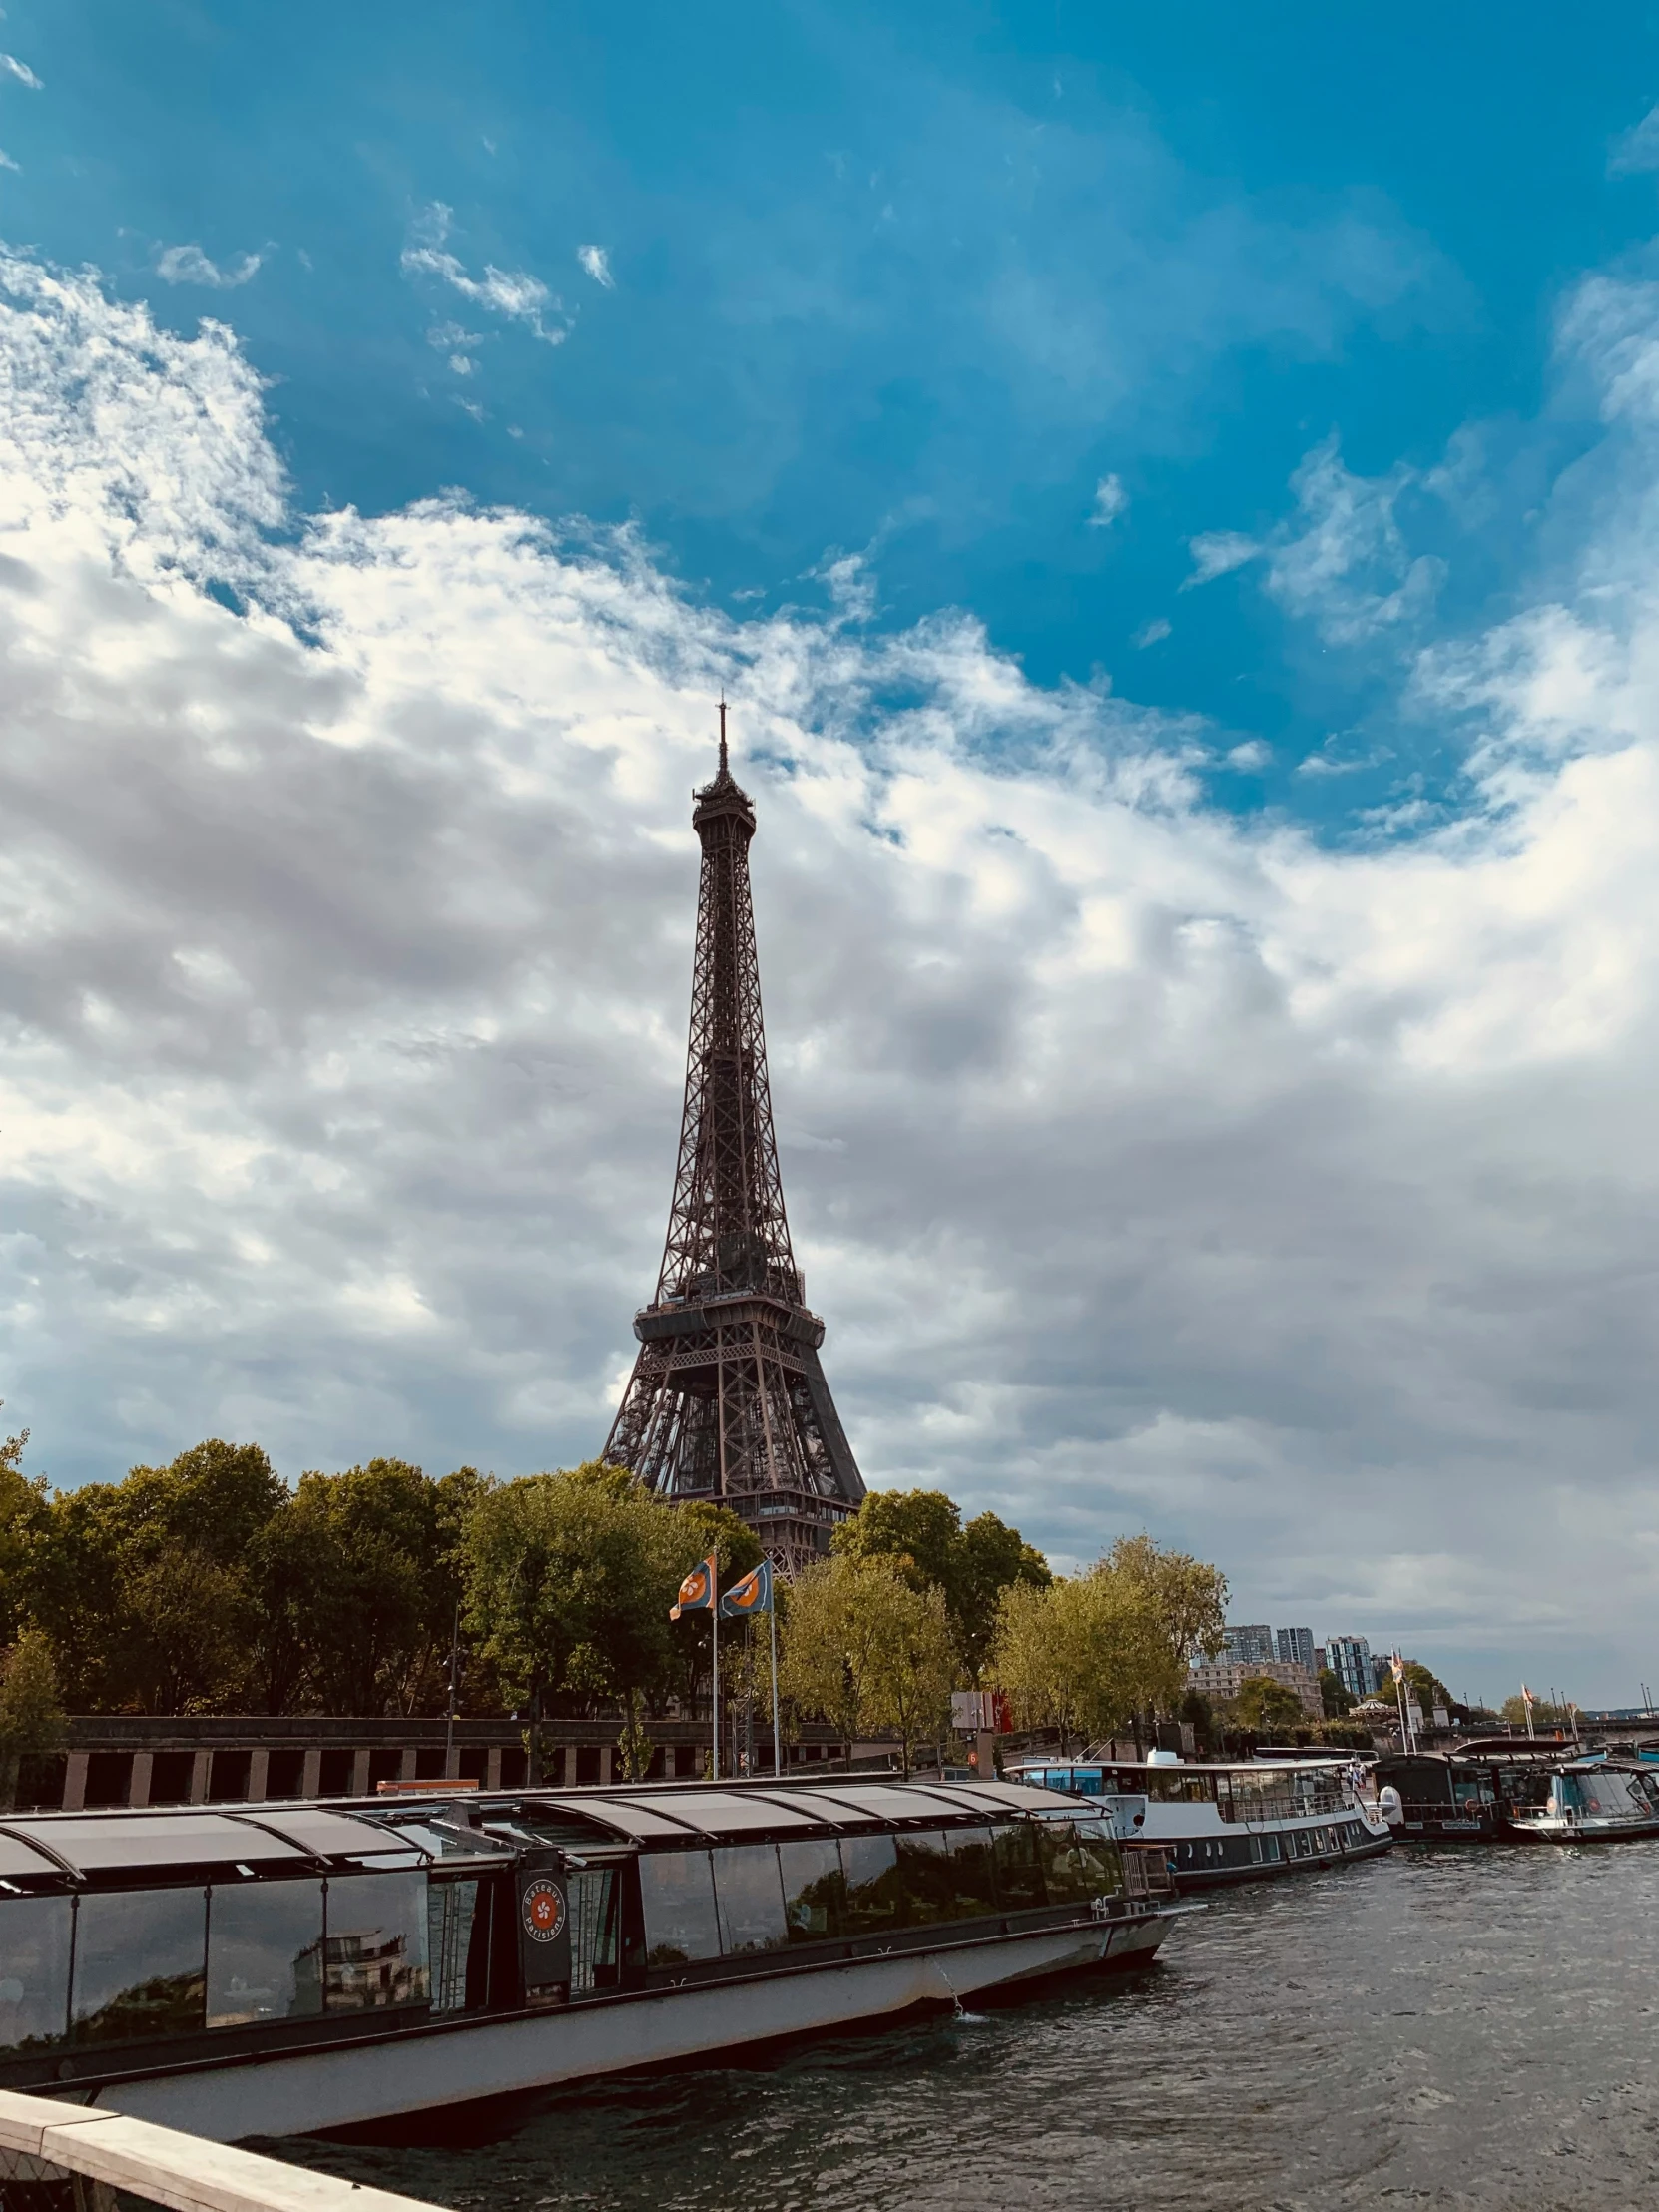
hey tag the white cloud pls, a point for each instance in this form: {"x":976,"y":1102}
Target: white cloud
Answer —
{"x":1216,"y":553}
{"x":1110,"y":500}
{"x":12,"y":67}
{"x":6,"y":161}
{"x":188,"y":264}
{"x":514,"y":293}
{"x":1252,"y":754}
{"x":1636,"y":149}
{"x":1297,"y":1204}
{"x":1340,"y":560}
{"x":1151,"y":633}
{"x":596,"y":262}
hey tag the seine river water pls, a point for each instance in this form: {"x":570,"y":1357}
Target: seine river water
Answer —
{"x":1446,"y":2027}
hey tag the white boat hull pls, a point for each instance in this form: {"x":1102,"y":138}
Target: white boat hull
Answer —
{"x":317,"y":2091}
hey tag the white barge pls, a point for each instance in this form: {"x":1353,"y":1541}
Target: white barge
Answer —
{"x":294,"y":1968}
{"x":1222,"y":1821}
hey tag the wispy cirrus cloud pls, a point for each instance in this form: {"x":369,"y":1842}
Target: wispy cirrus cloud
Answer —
{"x":1110,"y":501}
{"x":1637,"y":148}
{"x":24,"y":75}
{"x":188,"y":264}
{"x":596,"y":262}
{"x":1340,"y":558}
{"x":514,"y":293}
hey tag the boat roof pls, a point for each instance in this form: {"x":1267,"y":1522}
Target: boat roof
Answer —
{"x":1259,"y":1765}
{"x":226,"y":1842}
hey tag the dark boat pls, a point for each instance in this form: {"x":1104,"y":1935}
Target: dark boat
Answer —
{"x":1471,"y":1794}
{"x":285,"y":1969}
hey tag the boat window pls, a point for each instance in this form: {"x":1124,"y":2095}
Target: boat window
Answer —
{"x":1170,"y":1787}
{"x":34,"y":1972}
{"x":738,"y":1812}
{"x":1270,"y":1848}
{"x":264,"y":1953}
{"x":875,"y":1893}
{"x":1079,"y":1860}
{"x":376,"y":1954}
{"x":677,"y":1890}
{"x":947,"y":1874}
{"x":140,"y":1963}
{"x":1304,"y":1844}
{"x":814,"y":1890}
{"x":1019,"y":1874}
{"x":456,"y":1932}
{"x":592,"y":1895}
{"x":748,"y":1891}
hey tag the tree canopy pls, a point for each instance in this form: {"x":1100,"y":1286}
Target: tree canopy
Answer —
{"x":867,"y":1649}
{"x":921,"y":1533}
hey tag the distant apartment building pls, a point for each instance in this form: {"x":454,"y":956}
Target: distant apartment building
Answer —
{"x":1218,"y":1680}
{"x":1296,"y":1648}
{"x":1349,"y":1660}
{"x":1250,"y":1643}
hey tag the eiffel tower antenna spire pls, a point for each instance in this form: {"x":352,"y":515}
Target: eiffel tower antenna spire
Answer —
{"x":728,"y":1400}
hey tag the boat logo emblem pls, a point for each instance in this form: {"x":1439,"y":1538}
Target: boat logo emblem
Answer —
{"x":544,"y":1911}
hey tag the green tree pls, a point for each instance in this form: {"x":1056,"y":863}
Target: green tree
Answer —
{"x":921,"y":1532}
{"x":31,"y":1717}
{"x":570,"y":1577}
{"x":1067,"y":1655}
{"x":1335,"y":1700}
{"x":862,"y":1645}
{"x":1267,"y":1707}
{"x":23,"y":1508}
{"x":142,"y":1587}
{"x":1545,"y":1714}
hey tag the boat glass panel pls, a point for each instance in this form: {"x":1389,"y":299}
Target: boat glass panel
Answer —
{"x":677,"y":1891}
{"x":140,"y":1963}
{"x":874,"y":1891}
{"x":814,"y":1890}
{"x":1007,"y":1797}
{"x":154,"y":1839}
{"x":19,"y":1857}
{"x":947,"y":1874}
{"x":877,"y":1801}
{"x":34,"y":1971}
{"x":264,"y":1953}
{"x":451,"y":1919}
{"x":592,"y":1896}
{"x":750,"y":1893}
{"x":1019,"y":1874}
{"x":737,"y":1813}
{"x":323,"y":1834}
{"x":375,"y":1953}
{"x":623,"y":1815}
{"x":1079,"y":1860}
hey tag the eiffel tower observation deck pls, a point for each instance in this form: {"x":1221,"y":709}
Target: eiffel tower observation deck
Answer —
{"x":728,"y":1400}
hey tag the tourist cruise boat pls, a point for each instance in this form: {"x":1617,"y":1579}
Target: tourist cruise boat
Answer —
{"x":1470,"y":1794}
{"x":1219,"y":1821}
{"x":288,"y":1969}
{"x":1590,"y":1801}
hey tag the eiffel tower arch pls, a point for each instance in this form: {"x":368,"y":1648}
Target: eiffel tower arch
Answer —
{"x":727,"y":1400}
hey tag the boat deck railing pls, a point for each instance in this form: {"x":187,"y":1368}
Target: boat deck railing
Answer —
{"x":1284,"y":1804}
{"x":57,"y":2157}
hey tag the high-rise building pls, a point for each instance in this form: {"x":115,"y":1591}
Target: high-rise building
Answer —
{"x":728,"y":1400}
{"x":1253,"y":1641}
{"x":1296,"y":1648}
{"x":1349,"y":1660}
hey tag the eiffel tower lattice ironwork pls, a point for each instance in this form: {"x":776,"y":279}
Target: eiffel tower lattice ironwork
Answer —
{"x":728,"y":1400}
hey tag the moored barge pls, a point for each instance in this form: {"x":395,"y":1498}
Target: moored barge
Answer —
{"x":299,"y":1967}
{"x":1220,"y":1822}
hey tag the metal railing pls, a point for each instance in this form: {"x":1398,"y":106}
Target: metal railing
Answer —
{"x":57,"y":2157}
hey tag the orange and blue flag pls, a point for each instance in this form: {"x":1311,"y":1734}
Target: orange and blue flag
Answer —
{"x":752,"y":1595}
{"x":697,"y":1593}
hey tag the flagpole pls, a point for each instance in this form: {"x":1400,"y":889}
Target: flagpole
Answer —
{"x":714,"y":1633}
{"x":776,"y":1732}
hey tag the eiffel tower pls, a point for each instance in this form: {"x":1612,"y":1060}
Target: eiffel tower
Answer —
{"x":728,"y":1400}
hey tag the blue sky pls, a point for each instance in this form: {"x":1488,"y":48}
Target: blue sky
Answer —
{"x":1173,"y":498}
{"x":905,"y":282}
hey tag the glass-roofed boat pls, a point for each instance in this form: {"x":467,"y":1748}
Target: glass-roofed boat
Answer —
{"x":1215,"y":1822}
{"x":289,"y":1968}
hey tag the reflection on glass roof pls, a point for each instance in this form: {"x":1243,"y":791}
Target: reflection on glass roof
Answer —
{"x":16,"y":1857}
{"x":154,"y":1839}
{"x":735,"y":1811}
{"x":622,"y":1816}
{"x":331,"y":1835}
